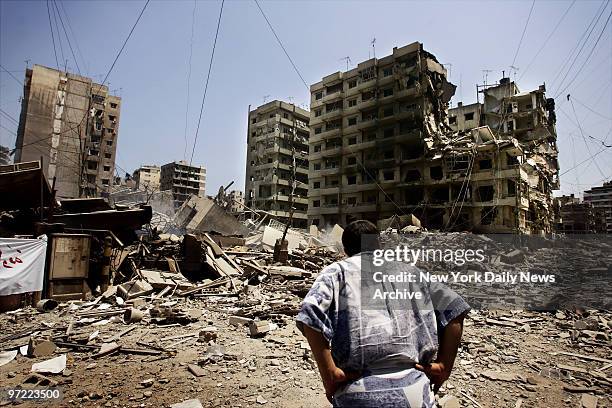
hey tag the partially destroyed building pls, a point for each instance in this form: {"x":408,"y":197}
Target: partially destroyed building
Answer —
{"x":5,"y":158}
{"x":147,"y":177}
{"x":601,"y":199}
{"x":72,"y":123}
{"x":381,"y":144}
{"x":184,"y":180}
{"x":277,"y":161}
{"x":575,"y":217}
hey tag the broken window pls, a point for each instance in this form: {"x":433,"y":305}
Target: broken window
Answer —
{"x":388,"y":92}
{"x":352,"y":102}
{"x":371,"y":198}
{"x":485,"y":193}
{"x":413,"y":195}
{"x":388,"y":133}
{"x":286,"y":115}
{"x":112,"y":118}
{"x":511,"y":188}
{"x":351,"y":179}
{"x":512,"y":160}
{"x":316,"y":166}
{"x":91,"y":178}
{"x":316,"y":203}
{"x":388,"y":197}
{"x":352,"y":121}
{"x":316,"y":184}
{"x":105,"y":182}
{"x":318,"y":112}
{"x":368,"y":73}
{"x":92,"y":165}
{"x":388,"y":154}
{"x":94,"y":152}
{"x":452,"y":120}
{"x":351,"y":200}
{"x":113,"y":105}
{"x":319,"y":95}
{"x":510,"y":125}
{"x":370,"y":136}
{"x":318,"y":130}
{"x":107,"y":168}
{"x":351,"y":161}
{"x":317,"y":148}
{"x":388,"y":175}
{"x":352,"y":140}
{"x":435,"y":173}
{"x":387,"y":71}
{"x":334,"y":88}
{"x":366,"y":96}
{"x":109,"y":142}
{"x":254,"y":120}
{"x":271,"y":115}
{"x":108,"y":155}
{"x":439,"y":195}
{"x":469,"y":116}
{"x":388,"y":112}
{"x":352,"y":83}
{"x":485,"y":164}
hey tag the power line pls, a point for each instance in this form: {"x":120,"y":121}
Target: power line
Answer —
{"x":11,"y":75}
{"x":74,"y":37}
{"x":189,"y":77}
{"x":282,"y":46}
{"x":212,"y":56}
{"x":547,"y":39}
{"x":590,"y":31}
{"x":67,"y":38}
{"x":523,"y":35}
{"x":582,"y":134}
{"x":584,"y":161}
{"x":587,"y":58}
{"x":10,"y":117}
{"x":52,"y":36}
{"x":59,"y":36}
{"x":592,"y":110}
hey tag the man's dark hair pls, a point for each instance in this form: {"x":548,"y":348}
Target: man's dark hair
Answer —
{"x":360,"y":236}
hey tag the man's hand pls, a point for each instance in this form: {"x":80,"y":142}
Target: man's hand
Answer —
{"x":436,"y":372}
{"x":336,"y":378}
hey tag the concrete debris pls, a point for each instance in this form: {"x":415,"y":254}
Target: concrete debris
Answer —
{"x":53,"y":366}
{"x":588,"y":401}
{"x":40,"y":347}
{"x":7,"y":356}
{"x":192,"y":403}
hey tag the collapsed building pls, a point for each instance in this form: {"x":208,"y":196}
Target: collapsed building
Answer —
{"x":601,"y":199}
{"x":382,"y":144}
{"x":575,"y":217}
{"x":184,"y":180}
{"x":276,"y":179}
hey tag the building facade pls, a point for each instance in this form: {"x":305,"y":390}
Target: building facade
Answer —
{"x":601,"y":199}
{"x":73,"y":124}
{"x":277,"y":161}
{"x":236,"y":199}
{"x":147,"y":177}
{"x":183,"y":180}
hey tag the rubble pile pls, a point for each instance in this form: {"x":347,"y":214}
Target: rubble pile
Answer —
{"x":190,"y":322}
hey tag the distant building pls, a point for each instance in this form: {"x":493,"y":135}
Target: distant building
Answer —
{"x":601,"y":199}
{"x":4,"y":155}
{"x":147,"y":177}
{"x":277,"y":148}
{"x":73,"y":124}
{"x":236,"y":198}
{"x":183,"y":180}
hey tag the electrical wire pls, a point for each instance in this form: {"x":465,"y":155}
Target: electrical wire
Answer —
{"x":67,"y":38}
{"x":74,"y":37}
{"x":11,"y":75}
{"x":52,"y":36}
{"x":584,"y":138}
{"x":523,"y":34}
{"x":212,"y":56}
{"x":282,"y":46}
{"x":10,"y":117}
{"x":592,"y":110}
{"x":59,"y":37}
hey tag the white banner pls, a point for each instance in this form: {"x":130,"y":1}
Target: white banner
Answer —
{"x":22,"y":265}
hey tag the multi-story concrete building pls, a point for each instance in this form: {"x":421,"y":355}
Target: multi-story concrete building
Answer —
{"x":369,"y":127}
{"x":236,"y":199}
{"x":277,"y":161}
{"x":183,"y":180}
{"x":522,"y":175}
{"x":5,"y":158}
{"x":601,"y":199}
{"x":73,"y":124}
{"x":147,"y":177}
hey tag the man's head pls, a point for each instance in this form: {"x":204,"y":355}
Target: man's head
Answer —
{"x":360,"y":236}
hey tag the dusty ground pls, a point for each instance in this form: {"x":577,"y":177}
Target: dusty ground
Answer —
{"x":274,"y":368}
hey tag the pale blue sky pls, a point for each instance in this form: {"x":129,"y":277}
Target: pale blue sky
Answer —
{"x":151,"y":75}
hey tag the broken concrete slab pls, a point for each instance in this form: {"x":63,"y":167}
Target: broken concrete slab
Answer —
{"x":134,"y":289}
{"x":192,"y":403}
{"x":196,"y":370}
{"x":588,"y":401}
{"x":40,"y":348}
{"x":239,"y":320}
{"x":52,"y":366}
{"x":259,"y":328}
{"x":7,"y":356}
{"x":513,"y":257}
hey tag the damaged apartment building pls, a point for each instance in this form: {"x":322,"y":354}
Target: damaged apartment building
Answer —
{"x":382,"y":144}
{"x":72,"y":123}
{"x":277,"y":162}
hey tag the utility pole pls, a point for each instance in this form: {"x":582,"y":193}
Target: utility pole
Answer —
{"x":373,"y":42}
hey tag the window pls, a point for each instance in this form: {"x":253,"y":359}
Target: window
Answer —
{"x":94,"y":153}
{"x":485,"y":164}
{"x":352,"y":102}
{"x":113,"y":105}
{"x":318,"y":112}
{"x":387,"y":71}
{"x":92,"y":165}
{"x":510,"y":125}
{"x":351,"y":161}
{"x":91,"y":178}
{"x":388,"y":197}
{"x":318,"y":130}
{"x":388,"y":112}
{"x":511,"y":188}
{"x":352,"y":121}
{"x":317,"y":148}
{"x":388,"y":133}
{"x":351,"y":179}
{"x":319,"y":95}
{"x":452,"y":120}
{"x":469,"y":116}
{"x":316,"y":203}
{"x":352,"y":141}
{"x":351,"y":200}
{"x":105,"y":182}
{"x":112,"y":118}
{"x":352,"y":83}
{"x":435,"y":172}
{"x":316,"y":166}
{"x":388,"y":154}
{"x":316,"y":184}
{"x":109,"y":142}
{"x":286,"y":115}
{"x":106,"y":168}
{"x":315,"y":221}
{"x":271,"y":115}
{"x":388,"y":175}
{"x":388,"y":92}
{"x":254,"y":120}
{"x":108,"y":155}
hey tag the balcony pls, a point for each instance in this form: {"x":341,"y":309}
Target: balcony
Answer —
{"x":332,"y":97}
